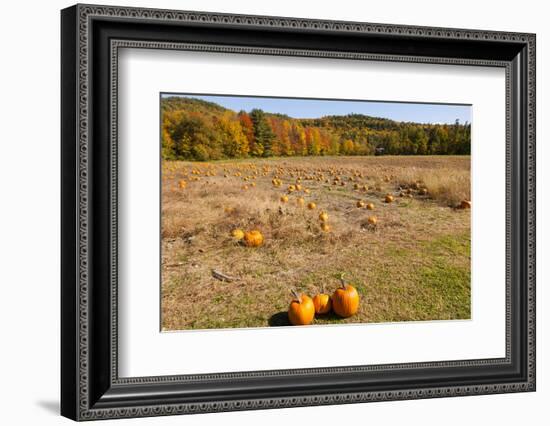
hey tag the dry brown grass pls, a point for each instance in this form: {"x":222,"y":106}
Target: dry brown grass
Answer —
{"x":414,"y":265}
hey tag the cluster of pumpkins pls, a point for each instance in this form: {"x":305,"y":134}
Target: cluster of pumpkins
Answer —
{"x":323,"y":220}
{"x":344,"y":302}
{"x":323,"y":216}
{"x":372,"y":220}
{"x":253,"y":238}
{"x":299,"y":201}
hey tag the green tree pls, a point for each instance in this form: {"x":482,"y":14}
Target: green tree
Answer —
{"x":263,"y":134}
{"x":420,"y":141}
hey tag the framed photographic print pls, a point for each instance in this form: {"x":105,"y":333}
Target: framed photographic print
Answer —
{"x":263,"y":212}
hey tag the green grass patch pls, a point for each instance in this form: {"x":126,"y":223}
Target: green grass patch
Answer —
{"x":429,"y":280}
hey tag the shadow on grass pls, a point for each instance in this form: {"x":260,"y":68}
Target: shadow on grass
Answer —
{"x":330,"y":318}
{"x":280,"y":319}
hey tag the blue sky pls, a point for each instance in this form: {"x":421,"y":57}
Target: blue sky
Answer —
{"x":314,"y":108}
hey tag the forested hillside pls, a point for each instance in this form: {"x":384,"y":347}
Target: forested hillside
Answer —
{"x":194,"y":129}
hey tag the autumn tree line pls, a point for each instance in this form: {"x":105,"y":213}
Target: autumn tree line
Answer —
{"x":194,"y":129}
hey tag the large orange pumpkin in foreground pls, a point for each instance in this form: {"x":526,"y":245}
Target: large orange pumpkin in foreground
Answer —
{"x":253,"y":238}
{"x":345,"y":300}
{"x":301,"y":310}
{"x":322,"y":303}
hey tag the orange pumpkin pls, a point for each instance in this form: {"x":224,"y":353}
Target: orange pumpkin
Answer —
{"x":322,"y":303}
{"x":253,"y":238}
{"x":370,"y":206}
{"x":465,"y":204}
{"x":301,"y":310}
{"x":389,"y":198}
{"x":311,"y":206}
{"x":284,"y":199}
{"x":372,"y":220}
{"x":325,"y":227}
{"x":345,"y":300}
{"x":300,"y":201}
{"x":360,"y":204}
{"x":237,"y":234}
{"x":323,"y":216}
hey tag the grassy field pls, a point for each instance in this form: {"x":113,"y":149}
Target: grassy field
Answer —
{"x":413,"y":265}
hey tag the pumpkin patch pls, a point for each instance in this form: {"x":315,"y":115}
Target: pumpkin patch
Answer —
{"x":230,"y":254}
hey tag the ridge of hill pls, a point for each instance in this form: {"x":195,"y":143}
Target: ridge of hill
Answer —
{"x":196,"y":129}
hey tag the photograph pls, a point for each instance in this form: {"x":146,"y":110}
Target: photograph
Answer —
{"x":287,"y":211}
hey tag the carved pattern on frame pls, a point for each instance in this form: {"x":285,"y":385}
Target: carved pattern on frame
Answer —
{"x":86,"y":12}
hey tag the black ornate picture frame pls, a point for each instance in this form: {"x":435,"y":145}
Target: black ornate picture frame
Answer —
{"x":91,"y":386}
